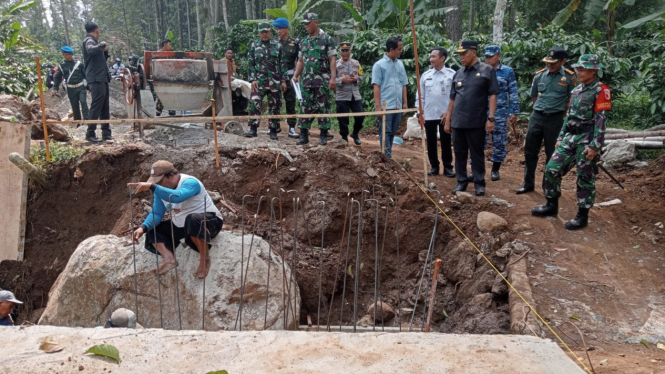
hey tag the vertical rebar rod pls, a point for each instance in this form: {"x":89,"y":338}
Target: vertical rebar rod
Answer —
{"x":285,"y":297}
{"x":177,"y":283}
{"x":159,"y":281}
{"x":272,"y":221}
{"x":346,"y":262}
{"x":249,"y":257}
{"x":399,"y":281}
{"x":376,"y":257}
{"x":205,"y":245}
{"x":136,"y":287}
{"x":318,"y":311}
{"x":358,"y":251}
{"x":306,"y":224}
{"x":429,"y":249}
{"x":293,"y":277}
{"x":332,"y":297}
{"x":383,"y":246}
{"x":242,"y":255}
{"x":429,"y":268}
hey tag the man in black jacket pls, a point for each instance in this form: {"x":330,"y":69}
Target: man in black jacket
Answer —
{"x":95,"y":54}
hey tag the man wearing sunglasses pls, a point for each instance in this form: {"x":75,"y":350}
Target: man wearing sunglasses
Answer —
{"x":550,"y":92}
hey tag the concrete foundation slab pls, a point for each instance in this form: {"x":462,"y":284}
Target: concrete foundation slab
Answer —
{"x":161,"y":351}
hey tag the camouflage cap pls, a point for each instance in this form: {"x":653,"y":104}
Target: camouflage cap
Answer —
{"x":492,"y":50}
{"x":589,"y":61}
{"x":309,"y":17}
{"x":264,"y":26}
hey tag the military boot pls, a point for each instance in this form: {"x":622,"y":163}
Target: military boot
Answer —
{"x":273,"y":134}
{"x":304,"y":137}
{"x":495,"y":171}
{"x":251,"y":133}
{"x":323,"y":137}
{"x":580,"y":221}
{"x":551,"y":209}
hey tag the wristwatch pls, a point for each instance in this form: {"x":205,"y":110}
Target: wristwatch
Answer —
{"x":491,"y":119}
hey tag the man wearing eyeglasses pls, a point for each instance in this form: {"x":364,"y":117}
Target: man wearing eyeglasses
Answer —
{"x":550,"y":92}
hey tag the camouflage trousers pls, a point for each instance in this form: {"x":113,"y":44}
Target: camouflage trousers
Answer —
{"x":274,"y":105}
{"x":315,"y":100}
{"x":569,"y":153}
{"x":499,"y":137}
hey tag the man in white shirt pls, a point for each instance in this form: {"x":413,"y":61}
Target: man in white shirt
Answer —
{"x":435,"y":86}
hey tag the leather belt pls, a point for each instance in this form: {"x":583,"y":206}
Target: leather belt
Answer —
{"x":579,"y":129}
{"x":548,"y":114}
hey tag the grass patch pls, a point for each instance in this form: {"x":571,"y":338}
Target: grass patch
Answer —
{"x":60,"y":154}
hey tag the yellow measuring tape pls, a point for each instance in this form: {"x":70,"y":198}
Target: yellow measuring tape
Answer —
{"x":497,"y":270}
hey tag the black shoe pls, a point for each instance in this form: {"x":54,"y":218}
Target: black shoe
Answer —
{"x":433,"y":171}
{"x":171,"y":112}
{"x":580,"y":221}
{"x":460,"y":187}
{"x":304,"y":137}
{"x":93,"y":138}
{"x":345,"y":138}
{"x":449,"y":173}
{"x":323,"y":137}
{"x":273,"y":134}
{"x":329,"y":135}
{"x":495,"y":176}
{"x":356,"y":139}
{"x":524,"y":189}
{"x":251,"y":133}
{"x":279,"y":129}
{"x":551,"y":209}
{"x":292,"y":133}
{"x":480,"y":190}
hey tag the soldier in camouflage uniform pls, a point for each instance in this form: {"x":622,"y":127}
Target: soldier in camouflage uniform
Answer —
{"x":290,"y":49}
{"x":268,"y":75}
{"x":579,"y":143}
{"x":318,"y":64}
{"x":72,"y":72}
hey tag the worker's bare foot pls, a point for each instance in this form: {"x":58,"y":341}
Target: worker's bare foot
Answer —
{"x":164,"y":267}
{"x":203,"y":269}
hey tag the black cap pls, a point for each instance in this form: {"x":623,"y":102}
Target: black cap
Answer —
{"x":345,"y":45}
{"x":555,"y":54}
{"x":465,"y":45}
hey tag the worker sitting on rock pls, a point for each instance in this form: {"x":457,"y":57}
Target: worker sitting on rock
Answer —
{"x":195,"y":217}
{"x":7,"y":303}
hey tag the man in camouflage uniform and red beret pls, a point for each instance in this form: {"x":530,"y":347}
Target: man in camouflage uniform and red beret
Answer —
{"x":579,"y":143}
{"x":267,"y":72}
{"x":317,"y":63}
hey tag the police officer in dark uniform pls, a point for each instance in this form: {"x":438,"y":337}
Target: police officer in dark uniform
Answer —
{"x":72,"y":72}
{"x":550,"y":92}
{"x":290,"y":49}
{"x":95,"y":54}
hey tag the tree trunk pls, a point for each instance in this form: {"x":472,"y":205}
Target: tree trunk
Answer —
{"x":124,"y":16}
{"x":499,"y":13}
{"x":225,"y":14}
{"x":182,"y":40}
{"x":454,"y":20}
{"x":471,"y":3}
{"x":189,"y":26}
{"x":257,"y":9}
{"x":611,"y":29}
{"x":512,"y":18}
{"x":64,"y":21}
{"x":199,"y":35}
{"x":248,"y":9}
{"x":357,"y":5}
{"x":158,"y":26}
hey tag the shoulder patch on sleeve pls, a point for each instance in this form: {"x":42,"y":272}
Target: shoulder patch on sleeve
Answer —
{"x":603,"y":100}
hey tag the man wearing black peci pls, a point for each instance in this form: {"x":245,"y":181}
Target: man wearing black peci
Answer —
{"x":95,"y":54}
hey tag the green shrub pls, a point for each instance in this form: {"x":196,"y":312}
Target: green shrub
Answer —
{"x":60,"y":154}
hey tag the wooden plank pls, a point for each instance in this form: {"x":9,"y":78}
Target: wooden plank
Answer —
{"x":13,"y":190}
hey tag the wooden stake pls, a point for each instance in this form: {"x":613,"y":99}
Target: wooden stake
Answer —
{"x":214,"y":130}
{"x":420,"y":96}
{"x":432,"y":293}
{"x":383,"y":130}
{"x":41,"y":98}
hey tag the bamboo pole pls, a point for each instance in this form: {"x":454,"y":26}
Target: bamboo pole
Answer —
{"x":214,"y":131}
{"x":420,"y":96}
{"x":234,"y":118}
{"x":383,"y":129}
{"x":29,"y":169}
{"x":634,"y":134}
{"x":41,"y":98}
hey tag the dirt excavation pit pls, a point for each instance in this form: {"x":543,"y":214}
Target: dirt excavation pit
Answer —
{"x":90,"y":197}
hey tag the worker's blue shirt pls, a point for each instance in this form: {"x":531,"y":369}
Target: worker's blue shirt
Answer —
{"x":390,"y":75}
{"x":189,"y":188}
{"x":7,"y":321}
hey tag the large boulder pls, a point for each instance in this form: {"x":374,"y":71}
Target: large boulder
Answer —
{"x":619,"y":153}
{"x":16,"y":106}
{"x":99,"y":278}
{"x":488,"y":222}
